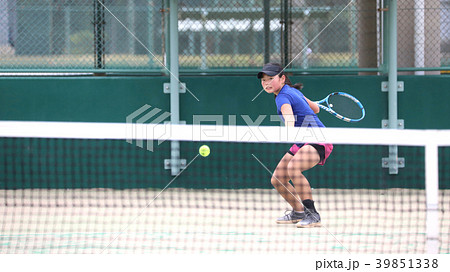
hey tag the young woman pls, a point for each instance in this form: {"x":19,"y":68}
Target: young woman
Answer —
{"x":295,"y":109}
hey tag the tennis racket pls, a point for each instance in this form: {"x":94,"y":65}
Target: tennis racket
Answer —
{"x":343,"y":106}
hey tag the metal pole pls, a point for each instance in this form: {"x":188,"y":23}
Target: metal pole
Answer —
{"x":419,"y":35}
{"x":385,"y":37}
{"x":99,"y":34}
{"x":354,"y":36}
{"x":393,"y":84}
{"x":432,"y":192}
{"x":266,"y":31}
{"x":285,"y":12}
{"x":174,"y":84}
{"x":166,"y":36}
{"x":150,"y":9}
{"x":203,"y":45}
{"x":392,"y":64}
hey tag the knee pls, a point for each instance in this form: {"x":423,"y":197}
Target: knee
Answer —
{"x":294,"y":169}
{"x":276,"y":181}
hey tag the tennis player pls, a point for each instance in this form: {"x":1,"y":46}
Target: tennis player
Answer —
{"x":295,"y":110}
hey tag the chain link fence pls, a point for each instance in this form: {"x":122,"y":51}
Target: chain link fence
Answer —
{"x":80,"y":34}
{"x":121,"y":35}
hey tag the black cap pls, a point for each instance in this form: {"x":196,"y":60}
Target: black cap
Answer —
{"x":270,"y":69}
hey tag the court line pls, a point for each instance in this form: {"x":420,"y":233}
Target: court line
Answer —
{"x":307,"y":46}
{"x":329,"y":232}
{"x":146,"y":48}
{"x":148,"y":204}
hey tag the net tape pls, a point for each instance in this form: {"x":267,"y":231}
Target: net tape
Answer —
{"x":249,"y":134}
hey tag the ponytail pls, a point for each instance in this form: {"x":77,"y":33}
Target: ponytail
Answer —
{"x":288,"y":82}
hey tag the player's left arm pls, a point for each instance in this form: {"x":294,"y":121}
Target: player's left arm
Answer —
{"x":312,"y":105}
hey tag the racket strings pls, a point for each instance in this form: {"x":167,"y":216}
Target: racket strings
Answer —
{"x":345,"y":106}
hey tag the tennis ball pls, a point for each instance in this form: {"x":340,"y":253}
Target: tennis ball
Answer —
{"x":204,"y":150}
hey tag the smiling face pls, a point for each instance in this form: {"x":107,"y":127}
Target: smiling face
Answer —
{"x":273,"y":84}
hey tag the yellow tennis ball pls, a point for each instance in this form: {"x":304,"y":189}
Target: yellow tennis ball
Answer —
{"x":204,"y":150}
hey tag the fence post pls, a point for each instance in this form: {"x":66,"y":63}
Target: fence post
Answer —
{"x":266,"y":31}
{"x":286,"y":22}
{"x":150,"y":10}
{"x":175,"y":163}
{"x":99,"y":33}
{"x":166,"y":36}
{"x":392,"y":161}
{"x":432,"y":196}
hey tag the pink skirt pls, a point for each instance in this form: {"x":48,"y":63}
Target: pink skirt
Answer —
{"x":328,"y":149}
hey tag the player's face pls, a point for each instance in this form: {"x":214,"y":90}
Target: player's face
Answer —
{"x":272,"y":84}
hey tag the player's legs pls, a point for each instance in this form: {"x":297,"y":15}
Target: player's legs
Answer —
{"x":280,"y":181}
{"x":306,"y":158}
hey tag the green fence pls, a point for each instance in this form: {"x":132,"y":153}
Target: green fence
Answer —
{"x":110,"y":99}
{"x":119,"y":164}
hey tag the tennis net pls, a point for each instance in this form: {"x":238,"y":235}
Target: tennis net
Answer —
{"x":143,"y":188}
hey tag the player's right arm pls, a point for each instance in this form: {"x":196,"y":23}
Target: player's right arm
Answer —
{"x":288,"y":115}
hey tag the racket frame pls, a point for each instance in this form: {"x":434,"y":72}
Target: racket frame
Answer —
{"x":328,"y":109}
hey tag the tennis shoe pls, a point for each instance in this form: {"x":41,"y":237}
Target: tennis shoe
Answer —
{"x":311,"y":220}
{"x":291,"y":218}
